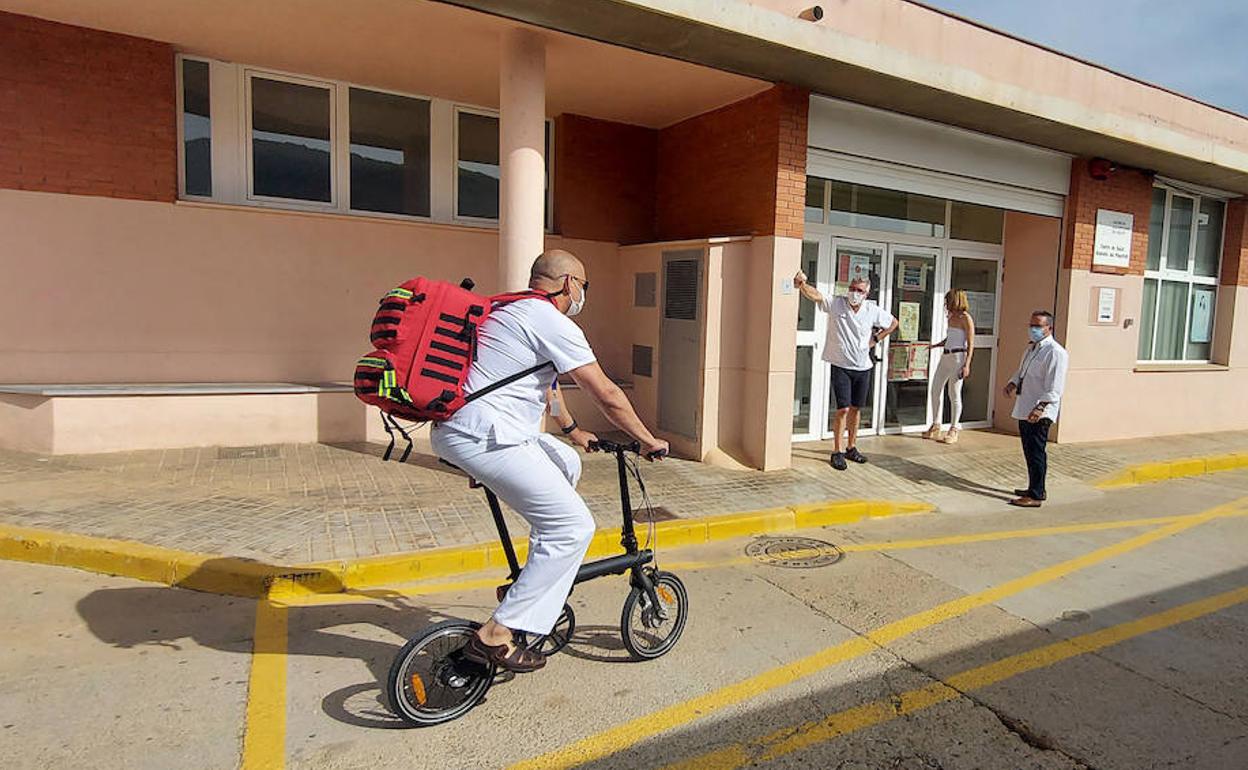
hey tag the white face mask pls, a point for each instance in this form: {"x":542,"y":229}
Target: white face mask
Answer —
{"x":856,"y":298}
{"x":575,"y":306}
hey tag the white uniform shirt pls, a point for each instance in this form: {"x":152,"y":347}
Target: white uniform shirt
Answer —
{"x":514,"y":338}
{"x":849,"y":334}
{"x":1043,"y":376}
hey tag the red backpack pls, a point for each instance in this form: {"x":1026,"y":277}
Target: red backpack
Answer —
{"x":425,"y":340}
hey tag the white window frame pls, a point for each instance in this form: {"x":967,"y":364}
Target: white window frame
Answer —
{"x":233,"y":180}
{"x":1163,"y":273}
{"x":335,"y":141}
{"x":181,"y":108}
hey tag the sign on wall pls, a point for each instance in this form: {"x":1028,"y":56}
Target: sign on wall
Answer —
{"x":1111,"y":246}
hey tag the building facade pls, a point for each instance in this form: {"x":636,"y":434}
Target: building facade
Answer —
{"x":201,"y":209}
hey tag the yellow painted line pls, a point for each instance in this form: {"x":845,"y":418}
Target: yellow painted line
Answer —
{"x":264,"y":742}
{"x":1183,"y":467}
{"x":796,"y":738}
{"x":618,"y":738}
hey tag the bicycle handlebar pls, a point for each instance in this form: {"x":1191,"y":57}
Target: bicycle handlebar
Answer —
{"x":604,"y":445}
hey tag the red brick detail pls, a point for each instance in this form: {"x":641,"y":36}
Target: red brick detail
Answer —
{"x":604,"y":180}
{"x":738,"y":170}
{"x":1235,"y":244}
{"x":86,"y":112}
{"x":1126,"y":189}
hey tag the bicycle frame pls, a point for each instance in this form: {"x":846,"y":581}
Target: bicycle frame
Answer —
{"x":633,"y":559}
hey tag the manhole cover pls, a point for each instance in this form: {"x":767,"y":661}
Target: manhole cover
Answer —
{"x":794,"y":552}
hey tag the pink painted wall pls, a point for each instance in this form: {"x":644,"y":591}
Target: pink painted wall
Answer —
{"x":1031,"y":244}
{"x":105,"y":290}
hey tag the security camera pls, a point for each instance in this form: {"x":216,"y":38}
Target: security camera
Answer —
{"x":813,"y":13}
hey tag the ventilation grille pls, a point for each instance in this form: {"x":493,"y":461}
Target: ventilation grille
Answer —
{"x":644,"y":289}
{"x":680,"y":295}
{"x":643,"y":360}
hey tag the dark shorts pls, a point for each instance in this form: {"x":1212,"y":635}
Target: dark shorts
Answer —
{"x":851,"y":387}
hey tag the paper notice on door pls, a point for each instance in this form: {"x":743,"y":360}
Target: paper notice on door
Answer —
{"x":982,"y":307}
{"x":899,"y":362}
{"x":859,"y":268}
{"x":908,"y":321}
{"x":920,"y":355}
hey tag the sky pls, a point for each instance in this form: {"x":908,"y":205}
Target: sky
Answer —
{"x":1196,"y":47}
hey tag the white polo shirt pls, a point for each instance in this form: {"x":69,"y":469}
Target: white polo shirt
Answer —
{"x":848,"y":343}
{"x":1043,"y":377}
{"x":516,"y":337}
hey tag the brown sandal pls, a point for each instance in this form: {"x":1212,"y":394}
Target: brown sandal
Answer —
{"x":521,"y":660}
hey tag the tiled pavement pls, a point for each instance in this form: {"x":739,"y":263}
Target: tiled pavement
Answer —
{"x":293,"y":503}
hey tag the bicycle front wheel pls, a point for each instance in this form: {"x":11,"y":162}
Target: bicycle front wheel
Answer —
{"x":649,"y":631}
{"x":431,"y":681}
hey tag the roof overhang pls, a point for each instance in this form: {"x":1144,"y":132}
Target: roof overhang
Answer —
{"x":747,"y":39}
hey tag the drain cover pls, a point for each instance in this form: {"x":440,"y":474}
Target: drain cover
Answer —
{"x":794,"y":552}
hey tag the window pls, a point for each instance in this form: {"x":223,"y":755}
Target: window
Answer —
{"x":476,"y":166}
{"x":1181,"y":276}
{"x":290,"y":128}
{"x":874,"y":208}
{"x":196,"y":129}
{"x":389,"y":153}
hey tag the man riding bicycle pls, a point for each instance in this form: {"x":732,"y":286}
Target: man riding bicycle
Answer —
{"x":497,"y":439}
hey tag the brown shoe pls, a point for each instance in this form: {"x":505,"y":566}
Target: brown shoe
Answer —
{"x":1026,"y":502}
{"x":521,"y":660}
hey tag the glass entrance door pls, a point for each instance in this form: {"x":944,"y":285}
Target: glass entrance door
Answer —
{"x":913,"y":293}
{"x":980,"y":278}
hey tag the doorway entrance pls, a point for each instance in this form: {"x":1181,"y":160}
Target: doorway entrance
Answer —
{"x":910,"y":281}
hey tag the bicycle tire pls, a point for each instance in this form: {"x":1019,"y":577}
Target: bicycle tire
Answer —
{"x":638,"y":640}
{"x":454,"y":684}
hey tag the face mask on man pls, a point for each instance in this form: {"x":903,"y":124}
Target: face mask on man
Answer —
{"x":856,"y":298}
{"x":1036,"y":333}
{"x":575,"y":306}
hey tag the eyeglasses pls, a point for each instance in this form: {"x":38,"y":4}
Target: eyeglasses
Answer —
{"x":584,"y":283}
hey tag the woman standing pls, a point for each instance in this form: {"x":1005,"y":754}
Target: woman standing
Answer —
{"x":954,"y":366}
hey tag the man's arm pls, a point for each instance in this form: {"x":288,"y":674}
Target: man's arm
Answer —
{"x":808,"y":291}
{"x":616,"y":406}
{"x":1054,"y":379}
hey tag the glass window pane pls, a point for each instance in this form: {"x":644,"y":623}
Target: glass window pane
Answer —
{"x":969,"y":222}
{"x":898,"y":212}
{"x":389,"y":153}
{"x":1171,"y":320}
{"x":814,"y":198}
{"x":1179,"y":243}
{"x":975,"y":390}
{"x":290,"y":140}
{"x":810,"y":266}
{"x":477,"y":166}
{"x":908,"y":360}
{"x":1208,"y":238}
{"x":1148,"y":316}
{"x":978,"y":278}
{"x":841,"y":203}
{"x":802,"y":389}
{"x":1200,"y":332}
{"x":1156,"y":223}
{"x":196,"y":128}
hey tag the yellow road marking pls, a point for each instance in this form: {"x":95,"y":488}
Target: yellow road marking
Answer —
{"x":791,"y":739}
{"x":264,"y":742}
{"x":622,"y":736}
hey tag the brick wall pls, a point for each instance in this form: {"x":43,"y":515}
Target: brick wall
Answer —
{"x":1235,"y":244}
{"x":738,"y":170}
{"x":1126,"y":190}
{"x":86,"y":112}
{"x":604,"y":180}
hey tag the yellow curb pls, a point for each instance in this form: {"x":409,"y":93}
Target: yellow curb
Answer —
{"x":1186,"y":467}
{"x":244,"y":577}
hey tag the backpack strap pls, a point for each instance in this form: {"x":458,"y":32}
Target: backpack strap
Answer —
{"x":493,"y":386}
{"x":498,"y":300}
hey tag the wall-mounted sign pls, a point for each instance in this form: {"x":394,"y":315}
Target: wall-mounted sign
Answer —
{"x":1111,"y":247}
{"x":1106,"y":304}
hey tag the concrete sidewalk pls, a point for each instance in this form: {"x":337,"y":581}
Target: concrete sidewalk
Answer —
{"x":291,"y":504}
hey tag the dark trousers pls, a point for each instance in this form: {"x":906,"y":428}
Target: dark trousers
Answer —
{"x":1035,"y":436}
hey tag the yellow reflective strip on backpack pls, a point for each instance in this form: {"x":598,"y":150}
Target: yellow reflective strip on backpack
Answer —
{"x":404,"y":293}
{"x":390,"y":379}
{"x":366,"y":361}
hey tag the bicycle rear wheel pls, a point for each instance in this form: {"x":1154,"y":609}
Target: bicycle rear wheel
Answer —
{"x":431,"y":682}
{"x":648,"y":631}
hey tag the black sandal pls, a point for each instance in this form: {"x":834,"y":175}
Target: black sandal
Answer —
{"x":522,"y":660}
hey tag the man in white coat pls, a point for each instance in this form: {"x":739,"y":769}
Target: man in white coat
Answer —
{"x":1038,"y":383}
{"x":497,"y":440}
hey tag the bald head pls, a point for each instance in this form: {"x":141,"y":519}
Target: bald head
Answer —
{"x":549,"y":269}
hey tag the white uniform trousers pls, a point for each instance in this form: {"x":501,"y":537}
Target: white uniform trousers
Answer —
{"x":536,"y":479}
{"x":947,"y":372}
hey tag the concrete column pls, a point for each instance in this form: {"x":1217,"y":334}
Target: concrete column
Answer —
{"x":522,"y":132}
